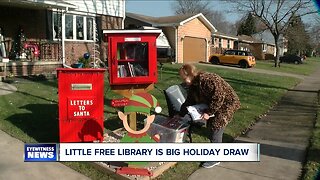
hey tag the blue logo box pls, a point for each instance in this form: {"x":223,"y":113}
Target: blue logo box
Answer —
{"x":40,"y":152}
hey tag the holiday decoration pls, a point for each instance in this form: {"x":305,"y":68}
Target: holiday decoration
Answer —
{"x":139,"y":103}
{"x":31,"y":50}
{"x":86,"y":55}
{"x":18,"y":51}
{"x":2,"y":46}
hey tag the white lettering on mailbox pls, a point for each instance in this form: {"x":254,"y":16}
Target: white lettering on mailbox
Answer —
{"x":80,"y":107}
{"x":81,"y":113}
{"x":81,"y":102}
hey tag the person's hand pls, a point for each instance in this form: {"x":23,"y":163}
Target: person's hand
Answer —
{"x":205,"y":116}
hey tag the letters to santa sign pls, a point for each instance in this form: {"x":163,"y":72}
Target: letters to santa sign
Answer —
{"x":79,"y":108}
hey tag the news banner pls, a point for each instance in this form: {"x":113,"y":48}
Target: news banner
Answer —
{"x":152,"y":152}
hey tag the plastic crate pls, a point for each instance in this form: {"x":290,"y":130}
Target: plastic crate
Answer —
{"x":171,"y":130}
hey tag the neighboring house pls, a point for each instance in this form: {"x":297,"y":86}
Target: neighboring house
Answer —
{"x":164,"y":51}
{"x":263,"y":50}
{"x":244,"y":43}
{"x":222,"y":42}
{"x":189,"y":35}
{"x":268,"y":39}
{"x":260,"y":49}
{"x":62,"y":31}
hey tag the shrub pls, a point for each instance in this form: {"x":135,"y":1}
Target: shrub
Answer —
{"x":269,"y":57}
{"x":84,"y":61}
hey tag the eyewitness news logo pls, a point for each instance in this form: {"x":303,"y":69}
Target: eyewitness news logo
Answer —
{"x":40,"y":152}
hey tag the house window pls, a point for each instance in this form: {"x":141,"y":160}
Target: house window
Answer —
{"x":69,"y":27}
{"x":57,"y":20}
{"x":264,"y":47}
{"x":228,"y":45}
{"x":90,"y":28}
{"x":76,"y":27}
{"x":79,"y":27}
{"x":220,"y":44}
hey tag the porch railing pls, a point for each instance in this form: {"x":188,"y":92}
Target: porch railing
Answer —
{"x":49,"y":51}
{"x":39,"y":50}
{"x":217,"y":50}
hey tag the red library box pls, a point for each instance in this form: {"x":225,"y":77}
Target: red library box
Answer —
{"x":132,"y":56}
{"x":81,"y":104}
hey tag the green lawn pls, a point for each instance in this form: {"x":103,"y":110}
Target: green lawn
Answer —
{"x":312,"y":166}
{"x":30,"y":114}
{"x":306,"y":68}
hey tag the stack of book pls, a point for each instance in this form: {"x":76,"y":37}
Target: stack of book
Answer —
{"x":196,"y":111}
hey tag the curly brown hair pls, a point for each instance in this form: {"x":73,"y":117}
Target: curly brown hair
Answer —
{"x":188,"y":70}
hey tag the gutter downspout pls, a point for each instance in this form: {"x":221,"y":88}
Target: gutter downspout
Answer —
{"x":176,"y":39}
{"x":207,"y":48}
{"x":124,"y":13}
{"x":63,"y":38}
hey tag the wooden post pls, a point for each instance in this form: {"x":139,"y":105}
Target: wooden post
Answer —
{"x":133,"y":121}
{"x":5,"y":70}
{"x":4,"y":73}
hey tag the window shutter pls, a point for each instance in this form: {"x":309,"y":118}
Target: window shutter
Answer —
{"x":49,"y":25}
{"x":99,"y":29}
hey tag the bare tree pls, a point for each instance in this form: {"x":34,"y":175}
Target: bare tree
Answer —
{"x":314,"y":34}
{"x":276,"y":15}
{"x":217,"y":18}
{"x":191,"y":7}
{"x":219,"y":21}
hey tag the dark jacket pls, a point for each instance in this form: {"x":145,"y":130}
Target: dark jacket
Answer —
{"x":211,"y":89}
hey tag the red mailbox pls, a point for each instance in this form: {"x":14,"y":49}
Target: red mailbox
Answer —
{"x":80,"y":104}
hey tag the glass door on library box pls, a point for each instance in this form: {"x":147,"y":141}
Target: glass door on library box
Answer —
{"x":132,"y":56}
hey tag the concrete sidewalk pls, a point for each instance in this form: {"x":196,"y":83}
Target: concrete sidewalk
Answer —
{"x":13,"y":167}
{"x":284,"y":135}
{"x":6,"y":88}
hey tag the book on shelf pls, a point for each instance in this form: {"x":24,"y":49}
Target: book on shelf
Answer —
{"x":196,"y":111}
{"x":131,"y":70}
{"x":122,"y":71}
{"x":119,"y":71}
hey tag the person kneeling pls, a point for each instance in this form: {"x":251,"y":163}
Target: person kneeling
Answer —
{"x":217,"y":94}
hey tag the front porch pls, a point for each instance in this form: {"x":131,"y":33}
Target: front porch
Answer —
{"x":26,"y":68}
{"x":41,"y":57}
{"x":26,"y":39}
{"x":50,"y":33}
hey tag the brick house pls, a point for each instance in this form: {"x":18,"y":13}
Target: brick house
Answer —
{"x":269,"y":45}
{"x":264,"y":51}
{"x":189,"y":35}
{"x":222,"y":42}
{"x":60,"y":31}
{"x":260,"y":49}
